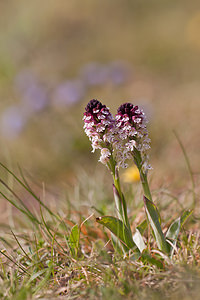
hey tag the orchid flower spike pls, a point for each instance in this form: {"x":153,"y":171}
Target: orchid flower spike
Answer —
{"x":99,"y":126}
{"x":133,"y":135}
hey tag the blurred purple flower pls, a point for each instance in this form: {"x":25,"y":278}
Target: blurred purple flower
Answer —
{"x":34,"y":95}
{"x":24,"y":79}
{"x":119,"y":72}
{"x":94,"y":73}
{"x":12,"y":122}
{"x":69,"y":93}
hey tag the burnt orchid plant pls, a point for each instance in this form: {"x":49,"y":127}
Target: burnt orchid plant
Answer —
{"x":122,"y":139}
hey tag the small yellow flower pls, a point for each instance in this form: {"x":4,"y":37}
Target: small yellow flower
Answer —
{"x":131,"y":175}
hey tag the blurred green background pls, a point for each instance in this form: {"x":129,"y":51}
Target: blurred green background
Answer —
{"x":55,"y":56}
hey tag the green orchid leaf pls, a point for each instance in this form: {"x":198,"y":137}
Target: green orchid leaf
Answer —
{"x":120,"y":230}
{"x":172,"y":234}
{"x":138,"y":240}
{"x":174,"y":229}
{"x":142,"y":227}
{"x":118,"y":204}
{"x":118,"y":246}
{"x":137,"y":237}
{"x":153,"y":217}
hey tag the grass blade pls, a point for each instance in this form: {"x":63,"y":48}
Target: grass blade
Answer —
{"x":25,"y":210}
{"x":27,"y":213}
{"x":74,"y":240}
{"x":185,"y":216}
{"x":30,"y":191}
{"x":189,"y":167}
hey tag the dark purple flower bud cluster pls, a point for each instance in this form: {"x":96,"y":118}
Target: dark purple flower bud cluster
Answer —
{"x":129,"y":119}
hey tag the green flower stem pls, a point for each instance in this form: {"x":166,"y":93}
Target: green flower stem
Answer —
{"x":145,"y":186}
{"x":122,"y":207}
{"x":143,"y":176}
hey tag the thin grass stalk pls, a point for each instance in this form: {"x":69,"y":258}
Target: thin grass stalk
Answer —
{"x":16,"y":239}
{"x":18,"y":198}
{"x":27,"y":213}
{"x":30,"y":191}
{"x":189,"y":168}
{"x":14,"y":262}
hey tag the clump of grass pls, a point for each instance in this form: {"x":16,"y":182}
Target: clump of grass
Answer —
{"x":51,"y":253}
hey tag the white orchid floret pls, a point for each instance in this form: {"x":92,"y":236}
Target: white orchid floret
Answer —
{"x":131,"y":145}
{"x":105,"y":156}
{"x":146,"y":166}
